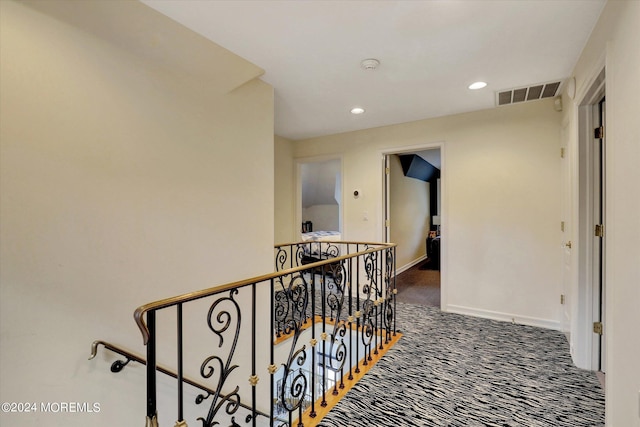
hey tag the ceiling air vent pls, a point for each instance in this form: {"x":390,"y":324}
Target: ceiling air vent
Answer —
{"x":531,"y":93}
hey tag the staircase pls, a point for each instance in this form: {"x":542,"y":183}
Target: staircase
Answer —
{"x":274,"y":350}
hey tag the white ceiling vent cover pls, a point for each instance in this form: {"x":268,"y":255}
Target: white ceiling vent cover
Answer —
{"x":531,"y":93}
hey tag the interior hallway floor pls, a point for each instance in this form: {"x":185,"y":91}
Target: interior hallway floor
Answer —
{"x":419,"y":285}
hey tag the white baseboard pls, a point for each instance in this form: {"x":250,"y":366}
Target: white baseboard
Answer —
{"x":411,"y":264}
{"x":505,"y":317}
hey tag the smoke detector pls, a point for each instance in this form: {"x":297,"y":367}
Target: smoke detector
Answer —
{"x":370,"y":64}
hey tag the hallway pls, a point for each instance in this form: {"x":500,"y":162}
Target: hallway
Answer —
{"x":418,"y":285}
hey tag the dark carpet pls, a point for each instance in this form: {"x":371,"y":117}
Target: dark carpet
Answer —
{"x":461,"y":371}
{"x":419,"y":285}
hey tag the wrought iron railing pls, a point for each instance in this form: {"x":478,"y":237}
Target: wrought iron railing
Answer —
{"x":310,"y":327}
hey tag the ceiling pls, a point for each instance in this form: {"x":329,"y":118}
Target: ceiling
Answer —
{"x":429,"y":53}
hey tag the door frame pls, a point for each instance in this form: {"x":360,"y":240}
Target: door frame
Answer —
{"x":384,"y":205}
{"x":588,"y":304}
{"x":598,"y":248}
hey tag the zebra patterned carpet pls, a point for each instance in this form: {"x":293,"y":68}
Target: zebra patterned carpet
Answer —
{"x":453,"y":370}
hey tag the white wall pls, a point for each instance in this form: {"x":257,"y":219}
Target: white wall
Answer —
{"x":409,"y":214}
{"x":500,"y":201}
{"x":117,"y":191}
{"x":323,"y":217}
{"x":285,"y":184}
{"x":614,"y":44}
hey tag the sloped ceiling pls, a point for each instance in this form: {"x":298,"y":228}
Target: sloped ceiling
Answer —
{"x":431,"y":156}
{"x":189,"y":58}
{"x":319,"y":183}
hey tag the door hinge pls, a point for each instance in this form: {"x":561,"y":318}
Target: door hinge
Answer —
{"x":387,"y":170}
{"x":562,"y":152}
{"x":561,"y":299}
{"x":598,"y":132}
{"x":599,"y":231}
{"x":597,"y":328}
{"x":387,"y":223}
{"x":561,"y":225}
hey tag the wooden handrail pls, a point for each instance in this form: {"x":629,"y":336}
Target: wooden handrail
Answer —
{"x":138,"y":314}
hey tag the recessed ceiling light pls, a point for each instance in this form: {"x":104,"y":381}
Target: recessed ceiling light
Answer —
{"x":477,"y":85}
{"x":357,"y":110}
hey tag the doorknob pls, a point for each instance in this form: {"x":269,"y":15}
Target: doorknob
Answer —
{"x":568,"y":244}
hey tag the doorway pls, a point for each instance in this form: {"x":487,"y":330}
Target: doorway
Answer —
{"x":319,"y":196}
{"x":412,"y":213}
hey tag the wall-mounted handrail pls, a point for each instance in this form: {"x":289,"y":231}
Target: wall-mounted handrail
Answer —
{"x":118,"y":365}
{"x":134,"y":357}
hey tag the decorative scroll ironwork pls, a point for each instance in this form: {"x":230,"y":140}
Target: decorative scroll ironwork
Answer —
{"x":301,"y":251}
{"x":330,"y":250}
{"x":337,"y":354}
{"x":389,"y":263}
{"x":369,"y":305}
{"x":389,"y":310}
{"x":368,"y":325}
{"x":220,"y":320}
{"x":335,"y":288}
{"x":290,"y":315}
{"x":370,"y":267}
{"x":281,"y":259}
{"x":290,"y":305}
{"x":294,"y":387}
{"x":344,"y":287}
